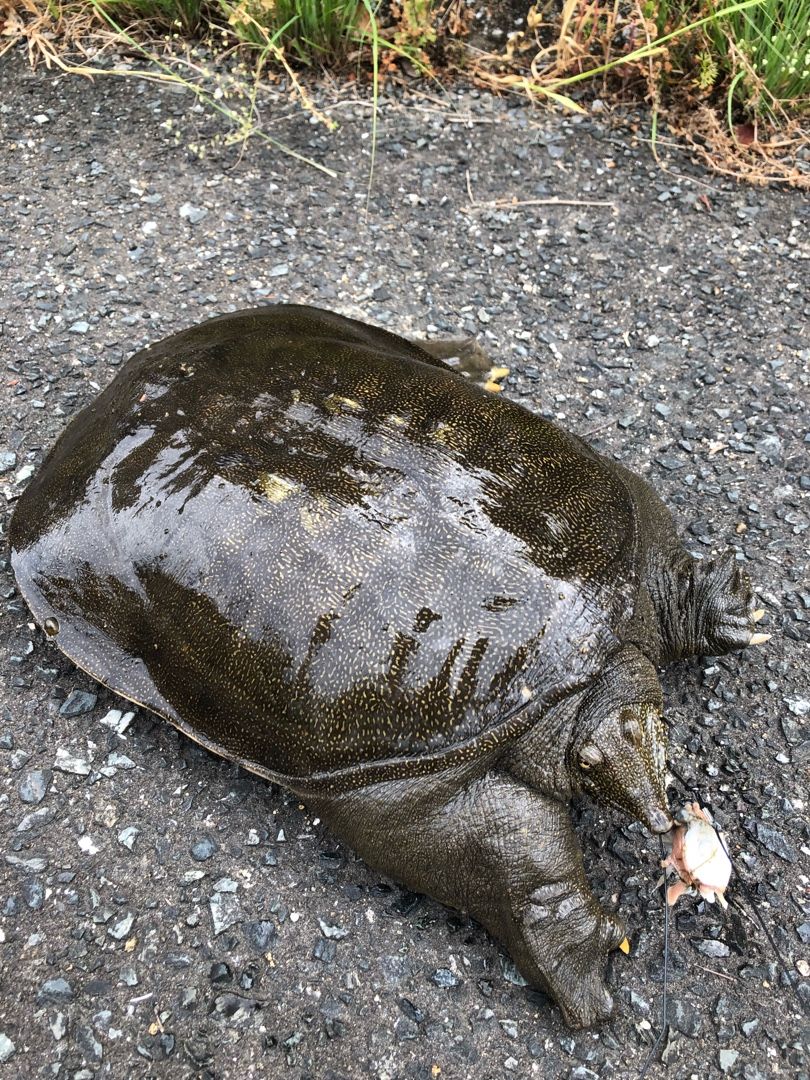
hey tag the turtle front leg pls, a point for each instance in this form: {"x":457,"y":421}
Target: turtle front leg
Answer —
{"x":506,"y":855}
{"x":719,"y":609}
{"x":704,"y":607}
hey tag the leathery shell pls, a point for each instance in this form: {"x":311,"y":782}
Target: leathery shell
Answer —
{"x":322,"y":553}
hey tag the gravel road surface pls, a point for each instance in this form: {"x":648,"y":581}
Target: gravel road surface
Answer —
{"x":163,"y":914}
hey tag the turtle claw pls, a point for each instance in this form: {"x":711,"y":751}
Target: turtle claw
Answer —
{"x":754,"y":616}
{"x":726,"y":612}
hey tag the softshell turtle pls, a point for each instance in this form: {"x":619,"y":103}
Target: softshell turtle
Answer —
{"x":323,"y":554}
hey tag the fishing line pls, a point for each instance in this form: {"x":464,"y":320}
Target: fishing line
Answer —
{"x":747,"y":891}
{"x":660,"y":1037}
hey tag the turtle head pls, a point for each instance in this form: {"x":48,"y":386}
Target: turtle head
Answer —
{"x":622,"y":761}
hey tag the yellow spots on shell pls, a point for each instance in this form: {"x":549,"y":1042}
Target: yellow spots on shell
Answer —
{"x":317,"y":514}
{"x":396,"y":421}
{"x":310,"y":521}
{"x":314,"y":520}
{"x":337,"y":402}
{"x":444,"y":433}
{"x":275,"y":488}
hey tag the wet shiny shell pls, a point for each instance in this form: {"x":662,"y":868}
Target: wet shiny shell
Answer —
{"x":323,"y":554}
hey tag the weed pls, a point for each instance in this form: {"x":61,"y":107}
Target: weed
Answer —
{"x":757,"y":54}
{"x":187,"y":15}
{"x":414,"y":23}
{"x":307,"y":30}
{"x":769,"y":47}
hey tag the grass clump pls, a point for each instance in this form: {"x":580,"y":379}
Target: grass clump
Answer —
{"x":757,"y":52}
{"x":731,"y":76}
{"x":308,"y":30}
{"x":185,"y":15}
{"x":758,"y":55}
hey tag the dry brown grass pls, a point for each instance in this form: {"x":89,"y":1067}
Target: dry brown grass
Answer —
{"x":47,"y":36}
{"x":743,"y":153}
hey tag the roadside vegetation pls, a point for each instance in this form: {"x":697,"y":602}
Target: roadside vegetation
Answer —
{"x":730,"y":76}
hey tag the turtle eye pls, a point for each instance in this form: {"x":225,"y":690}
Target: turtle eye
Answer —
{"x":631,"y":729}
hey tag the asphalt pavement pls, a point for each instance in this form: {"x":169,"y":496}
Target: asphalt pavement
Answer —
{"x":164,"y":914}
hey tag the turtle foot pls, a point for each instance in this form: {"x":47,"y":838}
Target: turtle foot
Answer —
{"x":464,"y":354}
{"x":566,"y":941}
{"x":727,"y":612}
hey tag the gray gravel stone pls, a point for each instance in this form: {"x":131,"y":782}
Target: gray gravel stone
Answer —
{"x":121,"y":927}
{"x":772,"y":839}
{"x":71,"y":763}
{"x":24,"y":474}
{"x":34,"y":821}
{"x":335,"y":932}
{"x":7,"y":1048}
{"x":89,"y":1046}
{"x":193,"y":214}
{"x":56,"y":990}
{"x":225,"y":911}
{"x":685,"y":1018}
{"x":34,"y":785}
{"x":77,"y":703}
{"x":117,"y":720}
{"x":715,"y":949}
{"x":203,"y":849}
{"x":727,"y":1059}
{"x":128,"y":836}
{"x":33,"y":865}
{"x":261,"y":934}
{"x":58,"y":1026}
{"x":444,"y":978}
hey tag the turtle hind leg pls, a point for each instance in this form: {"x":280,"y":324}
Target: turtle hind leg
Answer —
{"x":505,"y":854}
{"x":462,"y":354}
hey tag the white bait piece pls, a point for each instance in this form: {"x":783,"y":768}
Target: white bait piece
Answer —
{"x":698,"y":857}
